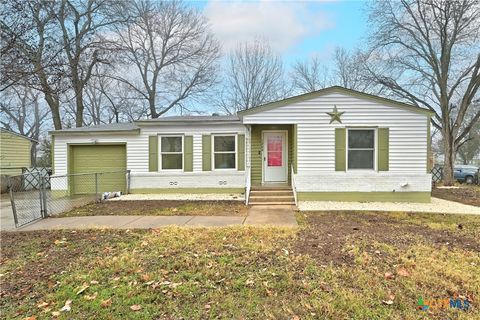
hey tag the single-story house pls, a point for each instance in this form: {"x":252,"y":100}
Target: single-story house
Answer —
{"x":334,"y":144}
{"x":15,"y":152}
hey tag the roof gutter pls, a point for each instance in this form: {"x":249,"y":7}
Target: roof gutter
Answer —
{"x":180,"y":122}
{"x":91,"y":132}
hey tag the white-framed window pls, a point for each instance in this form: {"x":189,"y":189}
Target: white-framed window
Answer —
{"x":171,"y":152}
{"x":224,"y":149}
{"x":361,"y":149}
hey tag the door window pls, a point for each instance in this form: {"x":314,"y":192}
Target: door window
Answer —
{"x":274,"y":151}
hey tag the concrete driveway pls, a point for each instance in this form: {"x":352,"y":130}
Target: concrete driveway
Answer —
{"x":6,"y":213}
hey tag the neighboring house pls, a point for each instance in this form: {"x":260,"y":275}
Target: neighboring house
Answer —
{"x":334,"y":144}
{"x":15,"y":152}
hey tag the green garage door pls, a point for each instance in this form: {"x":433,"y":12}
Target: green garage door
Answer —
{"x":107,"y":160}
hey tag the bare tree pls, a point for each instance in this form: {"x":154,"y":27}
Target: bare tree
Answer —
{"x":254,"y":76}
{"x":30,"y":56}
{"x":310,"y":75}
{"x":172,"y":52}
{"x":108,"y":100}
{"x":428,"y":53}
{"x":83,"y":25}
{"x":22,"y":112}
{"x":351,"y":72}
{"x":469,"y":148}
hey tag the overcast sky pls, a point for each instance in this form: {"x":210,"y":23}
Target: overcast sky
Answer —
{"x":295,"y":29}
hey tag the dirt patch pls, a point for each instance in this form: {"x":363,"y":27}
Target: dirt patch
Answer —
{"x":160,"y":208}
{"x":327,"y":234}
{"x":47,"y":254}
{"x":465,"y":195}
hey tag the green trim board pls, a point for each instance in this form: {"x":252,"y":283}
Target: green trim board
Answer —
{"x":256,"y":147}
{"x":241,"y":152}
{"x":153,"y":153}
{"x":340,"y":149}
{"x":295,"y":148}
{"x":206,"y":152}
{"x":187,"y":190}
{"x":322,"y":92}
{"x":429,"y":144}
{"x":421,"y":197}
{"x":383,"y":137}
{"x":188,"y":153}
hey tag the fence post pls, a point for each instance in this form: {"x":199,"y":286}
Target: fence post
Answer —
{"x":12,"y":201}
{"x":43,"y":192}
{"x":96,"y":187}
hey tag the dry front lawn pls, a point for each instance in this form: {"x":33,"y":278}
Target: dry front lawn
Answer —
{"x":335,"y":266}
{"x":467,"y":194}
{"x":160,"y":208}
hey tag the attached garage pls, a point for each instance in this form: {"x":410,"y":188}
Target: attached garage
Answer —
{"x":109,"y":161}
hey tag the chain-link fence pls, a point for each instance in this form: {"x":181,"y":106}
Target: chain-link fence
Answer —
{"x":437,"y":175}
{"x":51,"y":195}
{"x":27,"y":201}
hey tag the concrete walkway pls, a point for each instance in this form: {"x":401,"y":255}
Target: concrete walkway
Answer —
{"x":278,"y":216}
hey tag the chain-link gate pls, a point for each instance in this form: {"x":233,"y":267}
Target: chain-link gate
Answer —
{"x":28,"y":203}
{"x":36,"y":195}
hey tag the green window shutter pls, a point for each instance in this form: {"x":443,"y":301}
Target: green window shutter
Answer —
{"x":241,"y":152}
{"x":153,"y":153}
{"x":383,"y":149}
{"x":206,"y":153}
{"x":340,"y":149}
{"x":188,"y":153}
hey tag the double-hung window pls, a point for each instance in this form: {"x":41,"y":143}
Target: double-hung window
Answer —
{"x":171,"y":152}
{"x":361,"y":149}
{"x":224,"y":152}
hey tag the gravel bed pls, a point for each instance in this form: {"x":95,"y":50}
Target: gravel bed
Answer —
{"x":182,"y":196}
{"x":436,"y":206}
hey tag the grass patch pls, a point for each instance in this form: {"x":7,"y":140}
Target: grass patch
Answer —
{"x":332,"y":267}
{"x":160,"y":208}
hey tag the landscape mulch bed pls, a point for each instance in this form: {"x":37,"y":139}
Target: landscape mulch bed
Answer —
{"x":160,"y":208}
{"x":466,"y":195}
{"x":326,"y":235}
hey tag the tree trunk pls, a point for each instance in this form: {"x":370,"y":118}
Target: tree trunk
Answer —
{"x":449,"y":161}
{"x":153,"y":111}
{"x":80,"y":107}
{"x":54,"y":105}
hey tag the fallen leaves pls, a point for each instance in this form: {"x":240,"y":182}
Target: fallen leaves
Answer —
{"x":403,"y":272}
{"x":67,"y":307}
{"x":82,"y":289}
{"x":389,"y":276}
{"x":136,"y":307}
{"x":91,"y":297}
{"x":389,"y":299}
{"x":106,"y":303}
{"x":60,"y":242}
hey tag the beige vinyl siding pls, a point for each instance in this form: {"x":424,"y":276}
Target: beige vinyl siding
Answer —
{"x":316,"y":137}
{"x":14,"y":153}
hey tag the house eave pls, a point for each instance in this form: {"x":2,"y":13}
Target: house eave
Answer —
{"x":94,"y":132}
{"x":170,"y":123}
{"x":322,"y":92}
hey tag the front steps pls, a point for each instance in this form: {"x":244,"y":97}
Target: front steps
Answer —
{"x":271,"y":195}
